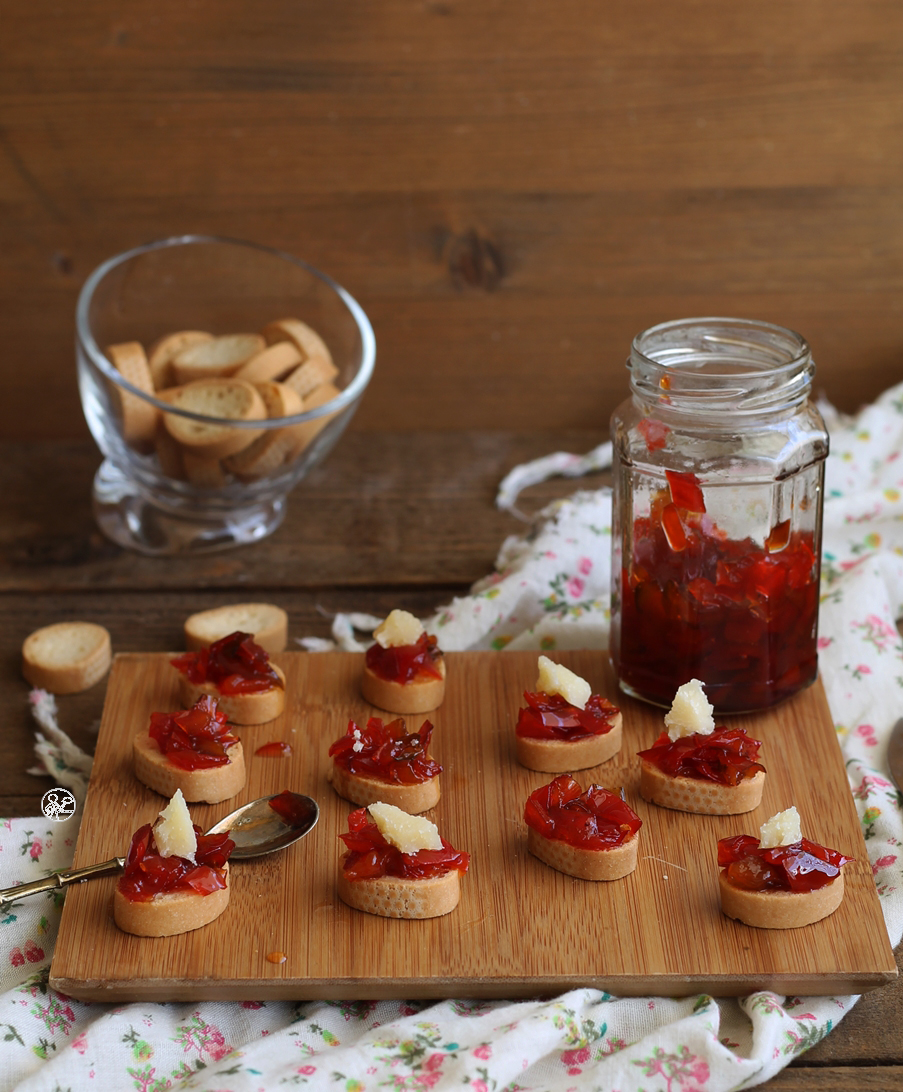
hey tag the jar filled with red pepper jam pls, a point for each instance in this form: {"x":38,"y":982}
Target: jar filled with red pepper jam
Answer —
{"x":716,"y":534}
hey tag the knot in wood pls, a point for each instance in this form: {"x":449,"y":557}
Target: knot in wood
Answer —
{"x":475,"y":261}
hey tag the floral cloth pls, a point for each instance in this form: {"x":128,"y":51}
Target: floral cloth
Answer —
{"x":550,"y":590}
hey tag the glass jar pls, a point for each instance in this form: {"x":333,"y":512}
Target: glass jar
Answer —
{"x":716,"y":516}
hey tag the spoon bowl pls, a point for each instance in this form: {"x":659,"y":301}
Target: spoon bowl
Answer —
{"x":258,"y":827}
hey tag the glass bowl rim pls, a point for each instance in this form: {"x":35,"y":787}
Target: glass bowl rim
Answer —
{"x":347,"y":397}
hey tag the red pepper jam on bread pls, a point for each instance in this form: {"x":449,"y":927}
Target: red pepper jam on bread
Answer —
{"x":404,"y":670}
{"x":175,"y":878}
{"x":779,"y":880}
{"x":398,"y":866}
{"x":383,"y":762}
{"x":193,"y":750}
{"x":592,"y":835}
{"x":238,"y":672}
{"x":565,"y":726}
{"x":697,"y":767}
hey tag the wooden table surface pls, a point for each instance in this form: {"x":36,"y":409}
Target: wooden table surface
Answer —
{"x":412,"y":528}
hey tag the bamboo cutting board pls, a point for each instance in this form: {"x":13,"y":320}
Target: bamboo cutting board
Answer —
{"x":521,"y":928}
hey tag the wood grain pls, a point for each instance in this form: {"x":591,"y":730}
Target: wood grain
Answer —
{"x":511,"y":193}
{"x":521,"y":928}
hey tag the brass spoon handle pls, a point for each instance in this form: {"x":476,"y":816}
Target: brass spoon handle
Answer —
{"x":58,"y":881}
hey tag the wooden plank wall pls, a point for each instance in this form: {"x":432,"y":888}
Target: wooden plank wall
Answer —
{"x":512,"y":188}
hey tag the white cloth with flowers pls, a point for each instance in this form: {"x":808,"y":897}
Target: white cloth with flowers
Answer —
{"x":550,"y":590}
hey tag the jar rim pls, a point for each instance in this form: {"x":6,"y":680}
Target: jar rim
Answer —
{"x":718,"y":364}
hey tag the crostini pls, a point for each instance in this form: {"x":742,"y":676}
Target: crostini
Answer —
{"x":384,"y":762}
{"x":695,"y":766}
{"x":398,"y":866}
{"x":779,"y":880}
{"x":175,"y":879}
{"x":193,"y":751}
{"x":565,"y":726}
{"x":404,"y":669}
{"x":238,"y":673}
{"x":592,"y":834}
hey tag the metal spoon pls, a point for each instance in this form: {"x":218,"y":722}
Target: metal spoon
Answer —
{"x":254,"y":827}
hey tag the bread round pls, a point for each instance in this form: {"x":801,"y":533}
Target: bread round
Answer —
{"x":169,"y":914}
{"x":208,"y":786}
{"x":362,"y":791}
{"x":562,"y":756}
{"x":421,"y":695}
{"x":307,"y":379}
{"x":779,"y":909}
{"x":66,"y":657}
{"x":233,"y":399}
{"x":276,"y":446}
{"x":585,"y":864}
{"x":390,"y":897}
{"x":272,"y":363}
{"x":139,"y":417}
{"x":161,"y":354}
{"x":302,"y":336}
{"x":239,"y":708}
{"x":218,"y":356}
{"x":697,"y":795}
{"x":267,"y":624}
{"x":303,"y":435}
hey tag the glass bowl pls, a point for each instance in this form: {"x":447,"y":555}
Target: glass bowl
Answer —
{"x":164,"y":487}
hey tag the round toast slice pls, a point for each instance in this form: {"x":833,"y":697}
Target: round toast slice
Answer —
{"x":208,"y":786}
{"x":563,"y":756}
{"x":422,"y":695}
{"x":585,"y":864}
{"x":239,"y":708}
{"x":66,"y":657}
{"x":362,"y":791}
{"x":169,"y":914}
{"x":779,"y":909}
{"x":392,"y":897}
{"x":696,"y":795}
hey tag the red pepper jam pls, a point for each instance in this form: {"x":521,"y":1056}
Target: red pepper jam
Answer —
{"x":727,"y":755}
{"x":148,"y":874}
{"x":802,"y":866}
{"x":386,"y":752}
{"x":369,"y":855}
{"x":235,"y":664}
{"x":403,"y":663}
{"x":595,"y":819}
{"x":194,"y":739}
{"x":696,"y":604}
{"x":550,"y":716}
{"x":293,"y":810}
{"x":276,"y":748}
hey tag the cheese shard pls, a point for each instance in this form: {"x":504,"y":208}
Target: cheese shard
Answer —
{"x":556,"y":679}
{"x":782,"y":829}
{"x":690,"y":712}
{"x":408,"y":833}
{"x":400,"y":628}
{"x":174,"y":831}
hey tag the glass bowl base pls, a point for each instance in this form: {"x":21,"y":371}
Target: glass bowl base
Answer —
{"x":133,"y":520}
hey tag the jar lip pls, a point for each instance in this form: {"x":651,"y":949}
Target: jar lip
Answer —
{"x":763,"y":347}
